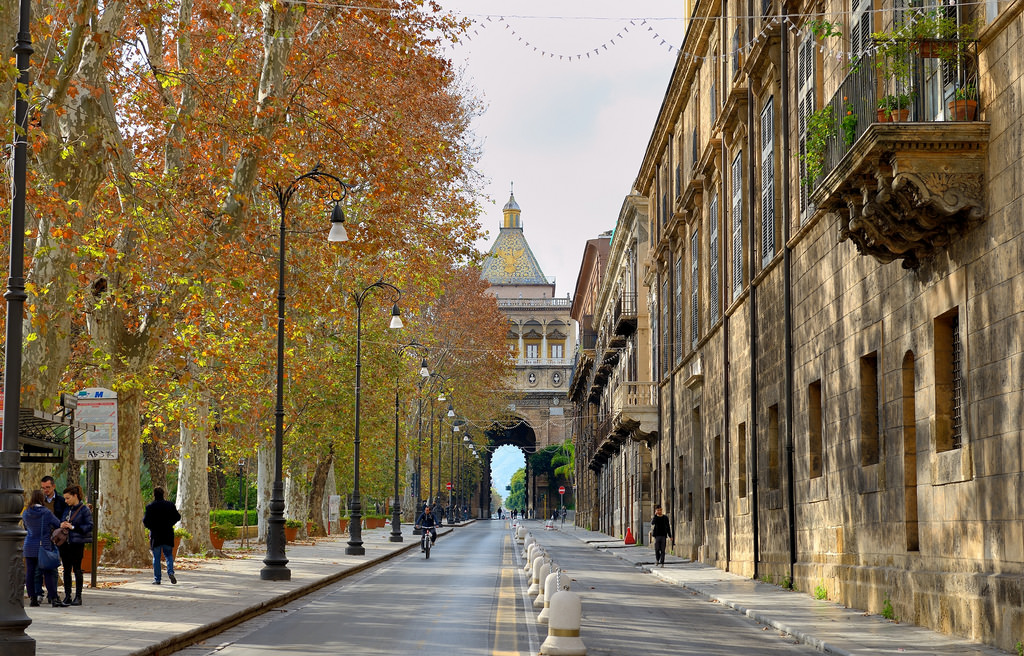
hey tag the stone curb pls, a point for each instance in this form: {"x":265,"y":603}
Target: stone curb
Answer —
{"x":192,"y":636}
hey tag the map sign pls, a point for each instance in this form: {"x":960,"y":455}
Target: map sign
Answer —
{"x":97,"y":406}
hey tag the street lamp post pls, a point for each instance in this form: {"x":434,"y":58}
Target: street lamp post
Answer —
{"x":355,"y":529}
{"x":13,"y":619}
{"x":451,"y":467}
{"x":275,"y":561}
{"x":396,"y":514}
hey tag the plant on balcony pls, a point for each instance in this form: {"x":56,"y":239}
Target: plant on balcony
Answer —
{"x":895,"y":107}
{"x":964,"y":106}
{"x":848,"y":123}
{"x":820,"y":127}
{"x":930,"y":34}
{"x":823,"y":28}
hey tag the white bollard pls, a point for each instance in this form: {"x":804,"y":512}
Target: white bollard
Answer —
{"x":564,"y":626}
{"x":526,"y":544}
{"x":542,"y":575}
{"x":520,"y":533}
{"x":530,"y":555}
{"x":556,"y":581}
{"x":538,"y":562}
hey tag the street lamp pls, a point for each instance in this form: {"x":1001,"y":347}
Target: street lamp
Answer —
{"x":276,"y":560}
{"x":13,"y":619}
{"x":355,"y":529}
{"x":396,"y":510}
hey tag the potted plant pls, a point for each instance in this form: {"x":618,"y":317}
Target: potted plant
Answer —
{"x":221,"y":532}
{"x":180,"y":533}
{"x":102,"y":539}
{"x":820,"y":127}
{"x":894,"y":107}
{"x":848,"y":123}
{"x":964,"y":106}
{"x":291,"y":529}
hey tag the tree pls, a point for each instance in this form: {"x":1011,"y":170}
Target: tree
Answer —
{"x":517,"y":496}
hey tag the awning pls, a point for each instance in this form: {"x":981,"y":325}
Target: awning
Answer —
{"x":43,"y":436}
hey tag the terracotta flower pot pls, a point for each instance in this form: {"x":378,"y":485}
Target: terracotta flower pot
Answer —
{"x":216,"y":541}
{"x":963,"y":110}
{"x":342,"y":525}
{"x":87,"y":555}
{"x":291,"y":533}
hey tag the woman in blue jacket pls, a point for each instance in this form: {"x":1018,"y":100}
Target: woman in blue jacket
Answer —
{"x":78,"y":522}
{"x":39,"y":522}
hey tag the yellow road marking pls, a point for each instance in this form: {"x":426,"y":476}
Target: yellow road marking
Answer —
{"x":506,"y":637}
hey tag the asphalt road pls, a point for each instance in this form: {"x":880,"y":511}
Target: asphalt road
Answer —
{"x":469,"y":599}
{"x":466,"y":599}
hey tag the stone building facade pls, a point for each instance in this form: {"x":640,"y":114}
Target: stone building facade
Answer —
{"x":543,"y":335}
{"x":838,"y":304}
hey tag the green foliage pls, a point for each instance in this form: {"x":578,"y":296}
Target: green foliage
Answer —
{"x":820,"y":592}
{"x":224,"y":531}
{"x":887,"y":610}
{"x":293,"y":523}
{"x":967,"y":92}
{"x":517,"y":497}
{"x":182,"y":533}
{"x":564,"y":461}
{"x":824,"y":29}
{"x":1020,"y":648}
{"x":820,"y":127}
{"x":787,"y":583}
{"x":232,"y":517}
{"x":108,"y":539}
{"x":767,"y":578}
{"x":849,"y":124}
{"x":895,"y":101}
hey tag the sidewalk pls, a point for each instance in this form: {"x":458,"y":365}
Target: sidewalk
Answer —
{"x":129,"y":616}
{"x":827,"y":626}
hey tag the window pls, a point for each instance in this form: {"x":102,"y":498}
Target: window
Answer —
{"x":694,"y":299}
{"x":531,"y":351}
{"x":805,"y":82}
{"x":652,"y":309}
{"x":767,"y":182}
{"x":741,"y":458}
{"x":718,"y":468}
{"x":869,"y":409}
{"x":948,"y":383}
{"x":666,"y":325}
{"x":814,"y":429}
{"x":713,"y":301}
{"x":774,"y":478}
{"x":679,"y":309}
{"x":557,"y":351}
{"x":860,"y":27}
{"x":736,"y":187}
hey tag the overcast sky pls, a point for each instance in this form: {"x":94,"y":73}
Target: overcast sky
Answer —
{"x":569,"y":134}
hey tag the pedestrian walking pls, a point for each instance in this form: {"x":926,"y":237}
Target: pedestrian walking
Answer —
{"x":78,"y":522}
{"x":661,"y":532}
{"x":40,"y":554}
{"x":160,"y":518}
{"x":55,"y":503}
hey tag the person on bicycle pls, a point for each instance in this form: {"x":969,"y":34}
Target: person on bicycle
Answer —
{"x":425,"y":521}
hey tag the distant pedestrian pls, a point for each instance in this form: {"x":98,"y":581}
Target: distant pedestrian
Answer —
{"x":78,"y":522}
{"x":661,"y":532}
{"x":55,"y":503}
{"x":39,"y":523}
{"x":160,"y":518}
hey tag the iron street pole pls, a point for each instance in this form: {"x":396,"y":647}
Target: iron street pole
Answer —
{"x":355,"y":529}
{"x":451,"y":473}
{"x":13,"y":619}
{"x":396,"y":514}
{"x":276,"y":560}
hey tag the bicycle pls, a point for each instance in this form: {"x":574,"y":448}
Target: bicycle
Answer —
{"x":426,"y":540}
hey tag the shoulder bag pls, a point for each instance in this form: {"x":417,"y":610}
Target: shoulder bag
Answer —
{"x":60,"y":534}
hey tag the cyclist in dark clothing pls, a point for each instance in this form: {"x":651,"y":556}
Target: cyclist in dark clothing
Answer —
{"x":426,"y":520}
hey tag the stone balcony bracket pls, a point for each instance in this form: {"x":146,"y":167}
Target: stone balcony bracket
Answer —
{"x":906,"y":190}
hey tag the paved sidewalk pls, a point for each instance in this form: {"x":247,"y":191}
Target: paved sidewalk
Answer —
{"x":827,"y":626}
{"x":129,"y":616}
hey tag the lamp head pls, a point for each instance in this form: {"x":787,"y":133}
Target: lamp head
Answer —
{"x":338,"y":232}
{"x":451,"y":410}
{"x":424,"y":370}
{"x":465,"y":439}
{"x":396,"y":318}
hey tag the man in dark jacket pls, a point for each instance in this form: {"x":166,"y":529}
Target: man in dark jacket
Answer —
{"x":160,"y":518}
{"x":661,"y":531}
{"x":57,"y":506}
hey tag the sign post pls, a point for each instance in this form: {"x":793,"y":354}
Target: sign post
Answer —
{"x":561,"y":502}
{"x":97,"y":406}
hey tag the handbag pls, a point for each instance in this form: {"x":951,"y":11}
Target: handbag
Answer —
{"x":60,"y":534}
{"x":48,"y":558}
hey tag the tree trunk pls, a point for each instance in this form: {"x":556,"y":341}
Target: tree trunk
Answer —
{"x":264,"y":486}
{"x":318,"y":496}
{"x":296,"y":496}
{"x":193,"y":490}
{"x":120,"y":506}
{"x":153,"y":454}
{"x":215,"y":478}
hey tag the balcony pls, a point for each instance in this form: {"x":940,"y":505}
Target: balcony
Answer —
{"x":636,"y":409}
{"x":909,"y":187}
{"x":625,"y":314}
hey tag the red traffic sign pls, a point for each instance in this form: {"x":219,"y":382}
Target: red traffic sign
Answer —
{"x":561,"y":489}
{"x":449,"y":486}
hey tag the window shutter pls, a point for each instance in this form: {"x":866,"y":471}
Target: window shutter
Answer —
{"x":679,"y":309}
{"x":713,"y":301}
{"x":714,"y":104}
{"x":768,"y":181}
{"x":805,"y":94}
{"x":694,"y":314}
{"x":666,"y":326}
{"x":736,"y":188}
